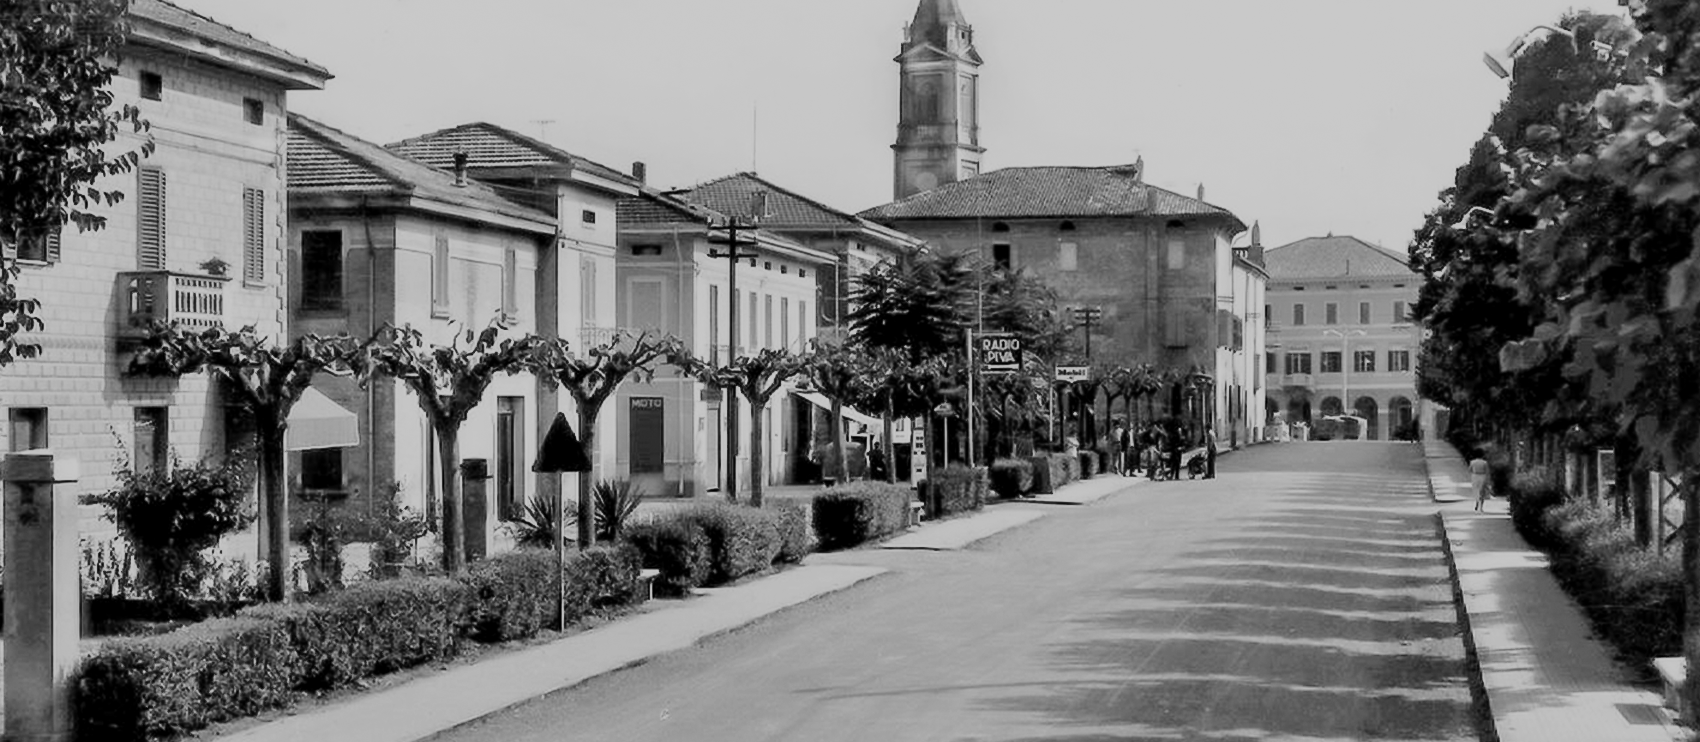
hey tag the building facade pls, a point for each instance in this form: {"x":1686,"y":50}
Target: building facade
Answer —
{"x":377,"y":239}
{"x":1340,"y":335}
{"x":198,"y":239}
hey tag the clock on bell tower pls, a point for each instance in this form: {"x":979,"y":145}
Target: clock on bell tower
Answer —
{"x":938,"y":128}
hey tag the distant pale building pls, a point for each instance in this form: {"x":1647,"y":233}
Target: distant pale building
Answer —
{"x":1340,"y":334}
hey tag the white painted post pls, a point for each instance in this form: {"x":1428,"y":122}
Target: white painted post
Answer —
{"x":42,"y":596}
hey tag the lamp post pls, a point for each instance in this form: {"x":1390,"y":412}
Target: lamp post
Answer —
{"x":1345,"y":364}
{"x":1086,"y":316}
{"x":733,"y":242}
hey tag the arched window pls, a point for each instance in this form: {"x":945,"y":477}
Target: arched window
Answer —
{"x":1366,"y":408}
{"x":1330,"y":406}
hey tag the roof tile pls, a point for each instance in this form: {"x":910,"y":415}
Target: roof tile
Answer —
{"x":1050,"y":191}
{"x":1334,"y":257}
{"x":490,"y":146}
{"x":166,"y":14}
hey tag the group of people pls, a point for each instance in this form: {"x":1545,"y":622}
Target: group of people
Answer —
{"x":1157,"y":449}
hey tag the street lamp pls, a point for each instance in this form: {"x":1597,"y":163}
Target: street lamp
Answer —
{"x":1463,"y":222}
{"x":1345,"y":364}
{"x":1501,"y":62}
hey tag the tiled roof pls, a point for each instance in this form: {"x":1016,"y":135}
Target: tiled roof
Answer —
{"x":785,"y":209}
{"x":658,"y":208}
{"x":323,"y":160}
{"x":1032,"y":192}
{"x":490,"y":146}
{"x":166,"y":14}
{"x":1334,"y":257}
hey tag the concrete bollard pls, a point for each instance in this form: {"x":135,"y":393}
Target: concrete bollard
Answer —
{"x":42,"y":595}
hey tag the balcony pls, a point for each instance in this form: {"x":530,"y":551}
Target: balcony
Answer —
{"x":1296,"y":380}
{"x":192,"y":301}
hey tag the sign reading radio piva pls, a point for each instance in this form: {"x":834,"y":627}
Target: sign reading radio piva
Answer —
{"x":999,"y":352}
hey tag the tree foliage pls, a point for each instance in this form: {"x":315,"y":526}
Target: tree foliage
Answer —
{"x":758,"y":378}
{"x":56,"y":118}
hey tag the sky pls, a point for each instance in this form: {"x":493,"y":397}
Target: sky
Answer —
{"x":1309,"y":116}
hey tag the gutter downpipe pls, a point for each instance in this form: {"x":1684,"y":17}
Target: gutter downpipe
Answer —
{"x":686,"y":411}
{"x":371,"y":329}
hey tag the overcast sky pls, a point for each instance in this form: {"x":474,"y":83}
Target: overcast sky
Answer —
{"x":1311,"y":116}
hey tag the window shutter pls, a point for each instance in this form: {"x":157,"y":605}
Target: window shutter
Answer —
{"x":440,"y":277}
{"x":150,"y":218}
{"x":253,"y":235}
{"x":53,"y":245}
{"x":510,"y":281}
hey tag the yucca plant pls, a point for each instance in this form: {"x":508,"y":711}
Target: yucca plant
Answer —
{"x":615,"y":502}
{"x":534,"y":524}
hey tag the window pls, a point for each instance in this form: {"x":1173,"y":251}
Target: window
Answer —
{"x":646,"y":251}
{"x":321,"y":269}
{"x":803,"y":323}
{"x":151,"y":439}
{"x":41,"y":247}
{"x":1067,"y":256}
{"x":750,"y":339}
{"x":1001,"y":256}
{"x":1363,"y":312}
{"x":152,"y":85}
{"x":1000,"y":227}
{"x":802,"y":273}
{"x":587,"y":292}
{"x":440,"y":277}
{"x":1174,"y":329}
{"x":1398,"y":360}
{"x":321,"y":470}
{"x":1298,"y":363}
{"x":254,"y":111}
{"x":29,"y":428}
{"x":1331,"y":314}
{"x":253,"y":235}
{"x":1363,"y":360}
{"x":1177,"y":255}
{"x":1066,"y":226}
{"x":1330,"y":361}
{"x":510,"y":456}
{"x":785,"y":321}
{"x":714,"y":324}
{"x":1270,"y":368}
{"x":150,"y":219}
{"x":1399,"y":312}
{"x":767,"y":265}
{"x":588,"y":217}
{"x":767,"y":321}
{"x":1298,"y":314}
{"x":510,"y":282}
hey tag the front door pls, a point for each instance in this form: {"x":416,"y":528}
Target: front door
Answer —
{"x":648,"y":443}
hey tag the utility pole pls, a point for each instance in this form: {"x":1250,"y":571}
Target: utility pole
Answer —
{"x":1087,"y":316}
{"x":734,"y":253}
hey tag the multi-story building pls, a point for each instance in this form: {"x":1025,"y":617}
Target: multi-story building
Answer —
{"x":378,"y":239}
{"x":671,"y":282}
{"x":1338,"y":314}
{"x":198,"y":239}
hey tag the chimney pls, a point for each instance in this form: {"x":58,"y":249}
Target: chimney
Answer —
{"x":460,"y":169}
{"x":640,"y":171}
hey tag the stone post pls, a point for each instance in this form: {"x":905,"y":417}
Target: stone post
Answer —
{"x":42,"y":595}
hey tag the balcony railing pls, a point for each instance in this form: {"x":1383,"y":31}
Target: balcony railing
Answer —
{"x":592,"y":337}
{"x":189,"y":300}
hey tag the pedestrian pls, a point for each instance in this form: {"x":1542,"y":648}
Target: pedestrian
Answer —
{"x":1159,"y":442}
{"x":1479,"y":479}
{"x":876,"y":464}
{"x":1176,"y":446}
{"x":1210,"y":453}
{"x":1118,"y":448}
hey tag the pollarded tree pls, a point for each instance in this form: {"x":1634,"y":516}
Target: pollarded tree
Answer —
{"x":591,"y":378}
{"x":265,"y":379}
{"x":448,"y":381}
{"x":758,"y":378}
{"x":56,"y":118}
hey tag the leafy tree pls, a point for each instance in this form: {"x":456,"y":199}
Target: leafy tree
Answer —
{"x":591,"y":379}
{"x":843,"y":375}
{"x":920,"y":306}
{"x":56,"y":118}
{"x":449,"y":382}
{"x":173,"y":515}
{"x":266,"y":380}
{"x":758,"y":378}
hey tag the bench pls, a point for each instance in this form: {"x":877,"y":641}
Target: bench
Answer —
{"x":646,"y":584}
{"x":1673,"y":672}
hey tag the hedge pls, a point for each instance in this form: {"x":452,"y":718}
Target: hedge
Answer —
{"x":512,"y":595}
{"x":373,"y":628}
{"x":677,"y":548}
{"x":1088,"y":463}
{"x":158,"y":686}
{"x":792,"y":517}
{"x":602,"y":576}
{"x":1529,"y":497}
{"x":1064,"y":469}
{"x":1042,"y":475}
{"x":741,"y":540}
{"x":1011,"y":477}
{"x":852,"y":514}
{"x":958,"y":488}
{"x":1633,"y":594}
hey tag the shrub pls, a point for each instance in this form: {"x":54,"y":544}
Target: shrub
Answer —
{"x":614,"y":501}
{"x":1531,"y":495}
{"x":140,"y":688}
{"x":1632,"y":594}
{"x":394,"y":529}
{"x":534,"y":525}
{"x":1064,"y":469}
{"x":1088,"y":463}
{"x":675,"y":546}
{"x":853,"y":514}
{"x":1043,"y":483}
{"x":792,"y":517}
{"x":959,"y":488}
{"x":1011,"y":477}
{"x":372,"y":628}
{"x":172,"y":516}
{"x":512,"y":595}
{"x":602,"y":576}
{"x":326,"y":529}
{"x":741,"y":539}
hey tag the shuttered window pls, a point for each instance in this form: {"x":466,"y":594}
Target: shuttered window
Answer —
{"x":150,"y":219}
{"x":253,"y":235}
{"x":587,"y":293}
{"x":510,"y":282}
{"x":440,"y":278}
{"x":40,"y":247}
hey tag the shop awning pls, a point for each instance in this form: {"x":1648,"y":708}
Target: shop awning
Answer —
{"x":317,"y":422}
{"x":820,"y":400}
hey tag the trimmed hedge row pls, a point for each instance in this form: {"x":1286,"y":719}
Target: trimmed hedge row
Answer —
{"x":1011,"y":477}
{"x":1633,"y":594}
{"x":852,"y":514}
{"x":716,"y":543}
{"x":140,"y":688}
{"x":957,"y":489}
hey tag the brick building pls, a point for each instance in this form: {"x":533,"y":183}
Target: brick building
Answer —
{"x":197,"y":239}
{"x":1339,"y":328}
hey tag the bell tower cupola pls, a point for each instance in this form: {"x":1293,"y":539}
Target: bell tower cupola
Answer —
{"x":938,"y":128}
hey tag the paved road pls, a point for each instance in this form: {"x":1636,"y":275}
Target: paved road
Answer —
{"x":1301,"y":595}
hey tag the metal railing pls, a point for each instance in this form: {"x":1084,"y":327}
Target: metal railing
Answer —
{"x":190,"y":300}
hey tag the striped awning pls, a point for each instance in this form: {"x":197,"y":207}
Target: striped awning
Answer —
{"x":317,"y":422}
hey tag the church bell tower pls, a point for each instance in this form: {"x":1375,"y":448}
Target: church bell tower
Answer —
{"x":938,"y":128}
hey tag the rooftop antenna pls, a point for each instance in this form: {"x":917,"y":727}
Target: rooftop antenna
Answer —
{"x":755,"y":127}
{"x":543,"y":128}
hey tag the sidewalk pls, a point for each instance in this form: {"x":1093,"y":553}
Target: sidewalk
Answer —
{"x":1545,"y":676}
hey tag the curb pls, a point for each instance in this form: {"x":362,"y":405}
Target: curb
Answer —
{"x":1480,"y":702}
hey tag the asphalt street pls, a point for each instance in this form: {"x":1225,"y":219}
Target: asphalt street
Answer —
{"x":1301,"y":595}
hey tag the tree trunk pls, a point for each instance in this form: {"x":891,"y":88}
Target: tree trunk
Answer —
{"x":586,"y":478}
{"x":758,"y":474}
{"x":454,"y":514}
{"x":890,"y":450}
{"x":1690,"y":488}
{"x":841,"y":470}
{"x":276,"y":499}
